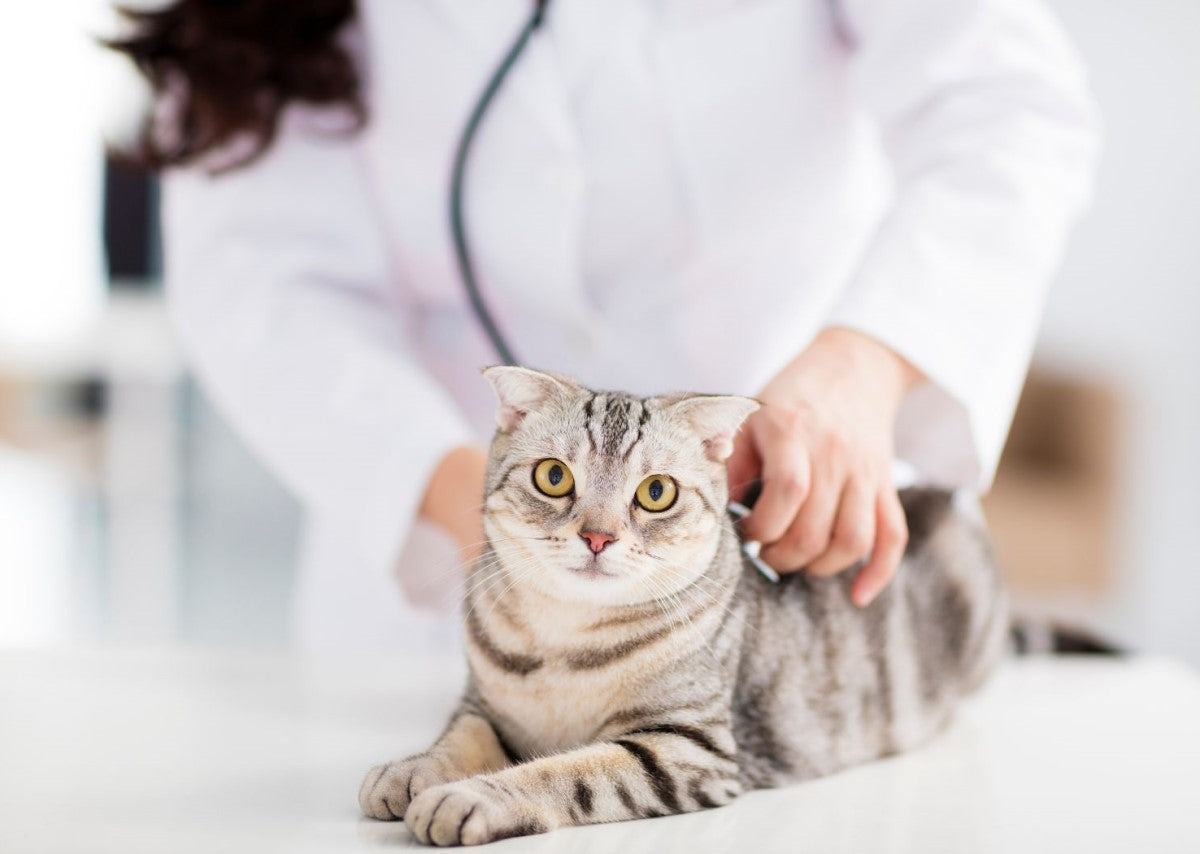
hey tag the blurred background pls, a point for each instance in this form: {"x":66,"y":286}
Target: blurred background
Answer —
{"x":130,"y":512}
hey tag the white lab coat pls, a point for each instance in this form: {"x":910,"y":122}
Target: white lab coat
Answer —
{"x":908,"y":168}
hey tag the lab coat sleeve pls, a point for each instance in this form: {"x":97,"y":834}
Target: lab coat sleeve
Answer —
{"x":984,"y":112}
{"x":279,"y":286}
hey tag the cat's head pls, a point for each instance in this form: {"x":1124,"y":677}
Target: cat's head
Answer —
{"x":602,"y":497}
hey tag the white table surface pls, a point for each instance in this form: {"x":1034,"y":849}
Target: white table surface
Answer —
{"x":213,"y":751}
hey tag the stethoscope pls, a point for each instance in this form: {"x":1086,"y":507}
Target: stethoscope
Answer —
{"x":462,"y":252}
{"x":750,"y":548}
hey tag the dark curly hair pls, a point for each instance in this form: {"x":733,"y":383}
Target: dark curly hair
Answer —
{"x":229,"y":68}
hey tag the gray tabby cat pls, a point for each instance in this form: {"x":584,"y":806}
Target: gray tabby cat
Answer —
{"x":623,"y":662}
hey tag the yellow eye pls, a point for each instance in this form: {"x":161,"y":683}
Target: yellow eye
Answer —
{"x":553,"y":478}
{"x":656,"y":493}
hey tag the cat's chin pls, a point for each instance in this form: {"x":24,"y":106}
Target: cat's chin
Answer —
{"x":592,"y":570}
{"x":591,"y":585}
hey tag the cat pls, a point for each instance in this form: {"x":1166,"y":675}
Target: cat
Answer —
{"x":623,"y":661}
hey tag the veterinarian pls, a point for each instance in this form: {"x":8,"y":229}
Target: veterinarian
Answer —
{"x":848,"y":208}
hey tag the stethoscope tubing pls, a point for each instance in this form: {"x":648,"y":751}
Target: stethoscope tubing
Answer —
{"x":466,"y":267}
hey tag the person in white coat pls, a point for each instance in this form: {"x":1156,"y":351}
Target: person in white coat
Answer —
{"x":848,"y":208}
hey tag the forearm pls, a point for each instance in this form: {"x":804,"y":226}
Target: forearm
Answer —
{"x":992,"y":139}
{"x":634,"y":777}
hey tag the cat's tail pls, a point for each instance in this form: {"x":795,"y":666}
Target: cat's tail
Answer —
{"x":1048,"y":637}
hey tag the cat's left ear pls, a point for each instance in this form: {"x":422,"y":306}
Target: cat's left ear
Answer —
{"x":715,"y":419}
{"x":524,"y":390}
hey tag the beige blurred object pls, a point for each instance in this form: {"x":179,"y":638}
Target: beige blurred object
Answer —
{"x":1051,"y":508}
{"x":43,"y":419}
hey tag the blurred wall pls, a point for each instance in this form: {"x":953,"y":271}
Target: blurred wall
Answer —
{"x":53,"y":283}
{"x":1126,"y":307}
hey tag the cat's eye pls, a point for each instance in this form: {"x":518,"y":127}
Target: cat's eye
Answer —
{"x":656,"y":493}
{"x":553,"y":478}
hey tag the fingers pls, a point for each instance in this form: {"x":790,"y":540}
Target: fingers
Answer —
{"x":853,"y":532}
{"x":820,"y":509}
{"x":786,"y":476}
{"x":890,"y":539}
{"x":810,"y":531}
{"x":742,"y":467}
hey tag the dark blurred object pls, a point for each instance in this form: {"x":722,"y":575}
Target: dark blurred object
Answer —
{"x":58,"y":420}
{"x":1051,"y":509}
{"x":130,"y":226}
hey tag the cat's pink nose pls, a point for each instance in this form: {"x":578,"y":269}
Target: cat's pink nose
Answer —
{"x":597,"y":540}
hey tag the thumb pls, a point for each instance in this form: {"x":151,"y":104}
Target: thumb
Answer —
{"x":743,"y":466}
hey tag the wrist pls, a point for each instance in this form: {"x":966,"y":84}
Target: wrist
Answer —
{"x":891,"y":371}
{"x":840,"y":357}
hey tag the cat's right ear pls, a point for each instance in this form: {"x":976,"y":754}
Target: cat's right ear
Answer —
{"x":524,"y":390}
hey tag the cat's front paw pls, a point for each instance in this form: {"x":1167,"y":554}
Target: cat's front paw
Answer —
{"x":468,"y":812}
{"x":388,"y":789}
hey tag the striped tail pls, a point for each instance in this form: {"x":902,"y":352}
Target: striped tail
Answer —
{"x":1046,"y":637}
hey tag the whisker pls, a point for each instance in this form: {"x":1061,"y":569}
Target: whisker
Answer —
{"x":458,"y":564}
{"x":522,"y":574}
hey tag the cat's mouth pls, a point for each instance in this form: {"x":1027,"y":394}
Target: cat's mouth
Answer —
{"x":592,"y":569}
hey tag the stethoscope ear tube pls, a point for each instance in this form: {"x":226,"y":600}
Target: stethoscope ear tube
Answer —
{"x":462,"y":252}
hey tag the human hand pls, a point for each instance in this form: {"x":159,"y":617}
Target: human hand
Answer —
{"x":452,"y":499}
{"x":822,"y":447}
